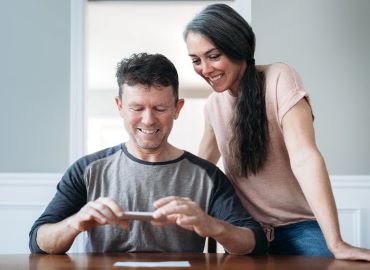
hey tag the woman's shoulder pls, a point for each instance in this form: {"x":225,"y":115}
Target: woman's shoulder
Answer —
{"x":280,"y":73}
{"x":216,"y":97}
{"x":276,"y":69}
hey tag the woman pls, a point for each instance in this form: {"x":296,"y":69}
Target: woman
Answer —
{"x":260,"y":122}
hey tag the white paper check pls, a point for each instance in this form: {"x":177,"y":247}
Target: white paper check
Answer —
{"x":153,"y":264}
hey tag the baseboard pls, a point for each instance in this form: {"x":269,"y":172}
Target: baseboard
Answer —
{"x":26,"y":179}
{"x":29,"y":179}
{"x":27,"y":190}
{"x":350,"y":181}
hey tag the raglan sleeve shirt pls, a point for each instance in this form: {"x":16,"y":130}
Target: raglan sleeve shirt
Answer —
{"x":68,"y":200}
{"x":225,"y":205}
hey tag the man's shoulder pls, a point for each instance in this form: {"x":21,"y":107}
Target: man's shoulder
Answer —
{"x":202,"y":163}
{"x":86,"y":160}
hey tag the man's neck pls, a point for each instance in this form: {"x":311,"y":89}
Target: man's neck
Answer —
{"x":161,"y":154}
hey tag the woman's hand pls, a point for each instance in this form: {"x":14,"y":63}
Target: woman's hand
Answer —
{"x":344,"y":251}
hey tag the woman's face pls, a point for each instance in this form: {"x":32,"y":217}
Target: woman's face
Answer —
{"x":213,"y":65}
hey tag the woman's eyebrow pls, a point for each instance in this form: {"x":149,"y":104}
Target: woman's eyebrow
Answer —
{"x":207,"y":52}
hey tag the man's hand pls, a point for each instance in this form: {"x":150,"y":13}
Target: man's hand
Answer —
{"x":187,"y":214}
{"x":58,"y":237}
{"x":99,"y":212}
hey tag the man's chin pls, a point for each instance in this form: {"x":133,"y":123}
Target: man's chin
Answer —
{"x":148,"y":145}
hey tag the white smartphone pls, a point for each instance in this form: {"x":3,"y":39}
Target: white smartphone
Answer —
{"x":136,"y":215}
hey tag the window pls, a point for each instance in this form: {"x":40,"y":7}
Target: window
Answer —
{"x":116,"y":29}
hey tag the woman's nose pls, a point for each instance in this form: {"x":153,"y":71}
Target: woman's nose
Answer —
{"x":206,"y":68}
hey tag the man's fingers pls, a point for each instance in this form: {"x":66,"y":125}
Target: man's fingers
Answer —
{"x":163,"y":201}
{"x":170,"y":219}
{"x":87,"y":217}
{"x":177,"y":206}
{"x":105,"y":211}
{"x":183,"y":220}
{"x":113,"y":206}
{"x":158,"y":223}
{"x":124,"y":224}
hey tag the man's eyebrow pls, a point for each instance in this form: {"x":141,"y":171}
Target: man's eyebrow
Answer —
{"x":207,"y":52}
{"x":133,"y":103}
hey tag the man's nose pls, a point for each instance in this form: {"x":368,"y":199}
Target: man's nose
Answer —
{"x":148,"y":117}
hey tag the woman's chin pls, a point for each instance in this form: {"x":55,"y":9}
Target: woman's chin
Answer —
{"x":219,"y":89}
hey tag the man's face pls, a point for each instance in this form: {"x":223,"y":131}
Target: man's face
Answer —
{"x":148,"y":113}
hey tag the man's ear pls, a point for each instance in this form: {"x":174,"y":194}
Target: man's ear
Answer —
{"x":179,"y":105}
{"x":118,"y":102}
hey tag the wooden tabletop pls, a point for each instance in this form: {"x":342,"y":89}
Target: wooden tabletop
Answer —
{"x":196,"y":260}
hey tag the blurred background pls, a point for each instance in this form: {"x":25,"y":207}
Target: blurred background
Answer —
{"x":57,"y":71}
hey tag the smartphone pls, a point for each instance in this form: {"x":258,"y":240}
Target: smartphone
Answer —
{"x":137,"y":215}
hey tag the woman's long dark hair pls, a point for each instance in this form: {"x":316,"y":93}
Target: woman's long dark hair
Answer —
{"x":231,"y":34}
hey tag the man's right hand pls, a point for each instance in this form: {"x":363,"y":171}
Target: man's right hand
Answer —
{"x":99,"y":212}
{"x":58,"y":237}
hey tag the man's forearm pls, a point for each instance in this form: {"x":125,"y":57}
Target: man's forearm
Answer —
{"x":235,"y":240}
{"x":56,"y":238}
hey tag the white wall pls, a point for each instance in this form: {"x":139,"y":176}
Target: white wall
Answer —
{"x":34,"y":90}
{"x":328,"y":43}
{"x":23,"y":197}
{"x":352,"y":197}
{"x":41,"y":119}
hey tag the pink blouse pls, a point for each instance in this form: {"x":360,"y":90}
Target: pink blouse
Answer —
{"x":273,"y":196}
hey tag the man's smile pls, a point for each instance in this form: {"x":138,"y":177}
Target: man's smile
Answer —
{"x":148,"y":131}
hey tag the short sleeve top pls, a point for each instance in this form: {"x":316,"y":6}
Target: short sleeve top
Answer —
{"x":272,"y":196}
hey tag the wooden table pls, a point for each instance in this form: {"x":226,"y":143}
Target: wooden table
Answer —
{"x":197,"y":261}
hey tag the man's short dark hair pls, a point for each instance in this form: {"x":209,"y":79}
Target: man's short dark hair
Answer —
{"x":147,"y":69}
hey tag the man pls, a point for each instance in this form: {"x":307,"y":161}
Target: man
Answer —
{"x":190,"y":197}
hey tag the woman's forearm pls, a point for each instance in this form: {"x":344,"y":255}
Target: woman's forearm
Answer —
{"x":314,"y":180}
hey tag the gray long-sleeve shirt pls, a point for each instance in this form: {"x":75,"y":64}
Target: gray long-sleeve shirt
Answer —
{"x":135,"y":184}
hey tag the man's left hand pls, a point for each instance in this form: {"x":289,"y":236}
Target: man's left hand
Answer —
{"x":185,"y":213}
